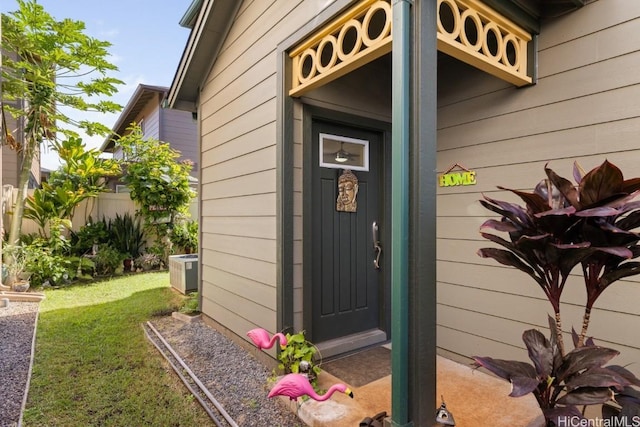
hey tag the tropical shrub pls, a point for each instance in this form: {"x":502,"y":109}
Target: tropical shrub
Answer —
{"x":184,"y":234}
{"x":148,"y":261}
{"x":127,"y":235}
{"x":93,"y":233}
{"x":159,"y":184}
{"x":561,"y":226}
{"x":299,"y":356}
{"x":108,"y":260}
{"x":54,"y":68}
{"x":191,"y":304}
{"x":49,"y":268}
{"x":17,"y":262}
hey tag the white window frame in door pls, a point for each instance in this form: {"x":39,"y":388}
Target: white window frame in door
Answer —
{"x":363,"y":152}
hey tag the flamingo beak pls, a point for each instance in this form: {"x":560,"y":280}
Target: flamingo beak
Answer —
{"x":349,"y":393}
{"x":283,"y":346}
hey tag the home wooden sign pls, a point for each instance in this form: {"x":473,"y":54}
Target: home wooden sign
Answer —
{"x":457,"y":178}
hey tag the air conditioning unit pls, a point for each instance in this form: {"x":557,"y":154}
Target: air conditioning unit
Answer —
{"x":183,"y":272}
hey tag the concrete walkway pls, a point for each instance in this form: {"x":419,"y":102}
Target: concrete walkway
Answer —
{"x":473,"y":398}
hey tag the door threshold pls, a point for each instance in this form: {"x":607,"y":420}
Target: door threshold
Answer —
{"x":351,"y":342}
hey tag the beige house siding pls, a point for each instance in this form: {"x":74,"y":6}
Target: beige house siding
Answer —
{"x":238,"y":174}
{"x":298,"y":114}
{"x":584,"y":107}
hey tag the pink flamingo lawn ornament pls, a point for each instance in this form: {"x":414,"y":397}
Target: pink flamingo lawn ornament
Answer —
{"x":297,"y":385}
{"x":262,"y":340}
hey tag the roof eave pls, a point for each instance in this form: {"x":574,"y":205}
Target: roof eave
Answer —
{"x":121,"y":123}
{"x":210,"y":29}
{"x":189,"y":18}
{"x":529,"y":13}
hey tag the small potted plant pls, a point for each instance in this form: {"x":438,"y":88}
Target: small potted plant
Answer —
{"x":17,"y":258}
{"x":148,"y":261}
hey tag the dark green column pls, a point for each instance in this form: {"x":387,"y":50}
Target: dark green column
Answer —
{"x":400,"y":135}
{"x":422,"y":222}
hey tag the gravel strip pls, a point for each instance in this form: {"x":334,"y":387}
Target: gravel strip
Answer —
{"x":17,"y":326}
{"x":234,"y":377}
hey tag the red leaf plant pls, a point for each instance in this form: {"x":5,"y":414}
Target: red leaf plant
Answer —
{"x":561,"y":226}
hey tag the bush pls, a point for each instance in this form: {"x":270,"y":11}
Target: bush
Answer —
{"x":148,"y":261}
{"x":190,"y":305}
{"x":93,"y":233}
{"x":108,"y":260}
{"x":184,"y":234}
{"x":299,"y":356}
{"x":49,"y":268}
{"x":127,"y":235}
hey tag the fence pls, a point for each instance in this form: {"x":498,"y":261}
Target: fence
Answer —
{"x":106,"y":204}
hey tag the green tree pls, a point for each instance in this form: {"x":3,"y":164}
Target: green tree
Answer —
{"x":81,"y":176}
{"x":54,"y":67}
{"x":158,"y":182}
{"x":83,"y":169}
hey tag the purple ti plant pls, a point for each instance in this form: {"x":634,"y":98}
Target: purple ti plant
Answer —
{"x":563,"y":225}
{"x":590,"y":225}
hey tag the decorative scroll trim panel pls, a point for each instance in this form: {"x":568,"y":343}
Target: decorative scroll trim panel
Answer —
{"x":473,"y":33}
{"x":467,"y":30}
{"x":357,"y":37}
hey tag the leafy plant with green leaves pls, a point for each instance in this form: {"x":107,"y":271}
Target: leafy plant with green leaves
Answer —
{"x":148,"y":261}
{"x":80,"y":177}
{"x":184,"y":234}
{"x":51,"y":203}
{"x":590,"y":224}
{"x":299,"y":356}
{"x":191,"y":304}
{"x":108,"y":260}
{"x":82,"y":174}
{"x":158,"y":182}
{"x":127,"y":234}
{"x":49,"y":268}
{"x":90,"y":234}
{"x":18,"y":259}
{"x":52,"y":66}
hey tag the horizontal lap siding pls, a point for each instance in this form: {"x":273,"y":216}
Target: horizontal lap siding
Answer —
{"x":181,"y":131}
{"x":584,"y":107}
{"x":238,"y":173}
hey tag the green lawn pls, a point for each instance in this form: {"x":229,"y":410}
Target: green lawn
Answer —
{"x":93,"y":365}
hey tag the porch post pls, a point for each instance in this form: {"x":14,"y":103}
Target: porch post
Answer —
{"x":400,"y":139}
{"x":422,"y":223}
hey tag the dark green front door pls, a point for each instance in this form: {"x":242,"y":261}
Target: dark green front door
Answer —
{"x":346,"y":283}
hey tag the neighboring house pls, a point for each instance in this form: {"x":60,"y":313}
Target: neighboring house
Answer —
{"x":11,"y":158}
{"x":178,"y":128}
{"x":501,"y":87}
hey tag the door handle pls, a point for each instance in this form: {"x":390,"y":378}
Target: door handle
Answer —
{"x":376,"y":245}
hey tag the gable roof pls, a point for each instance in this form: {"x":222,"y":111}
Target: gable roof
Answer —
{"x":141,"y":97}
{"x":208,"y":31}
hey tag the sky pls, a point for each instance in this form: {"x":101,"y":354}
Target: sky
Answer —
{"x":147,"y":44}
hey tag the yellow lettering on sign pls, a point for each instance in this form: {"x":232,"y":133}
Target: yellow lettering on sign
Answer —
{"x":457,"y":178}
